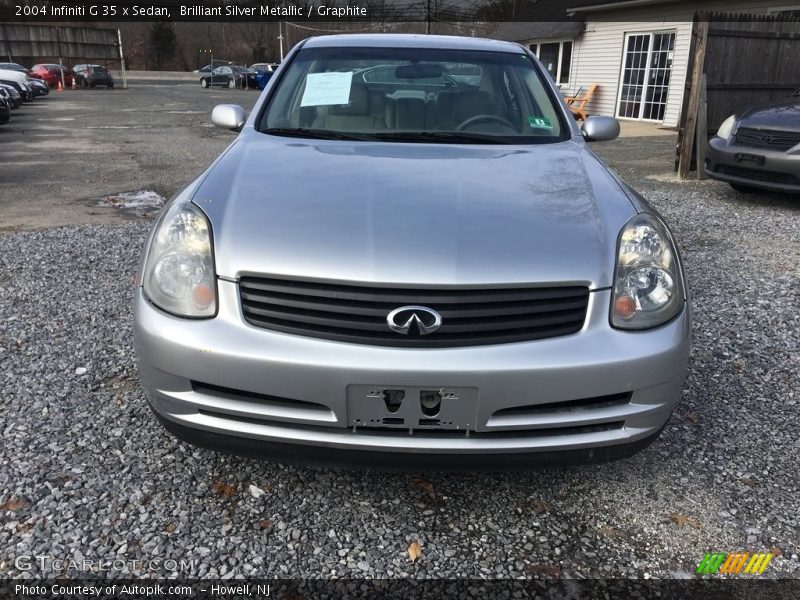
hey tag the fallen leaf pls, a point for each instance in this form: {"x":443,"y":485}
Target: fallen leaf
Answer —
{"x":264,"y":523}
{"x":776,"y":551}
{"x":750,"y":482}
{"x":607,"y":531}
{"x":682,"y":521}
{"x":552,"y":571}
{"x":423,"y":484}
{"x":169,"y":527}
{"x":693,"y":418}
{"x":13,"y":505}
{"x":223,"y":489}
{"x":542,"y":506}
{"x":414,"y":551}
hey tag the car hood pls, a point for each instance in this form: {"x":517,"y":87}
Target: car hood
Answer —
{"x":413,"y":213}
{"x":784,"y":116}
{"x":10,"y":75}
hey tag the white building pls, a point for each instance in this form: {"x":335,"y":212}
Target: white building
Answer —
{"x":637,"y":51}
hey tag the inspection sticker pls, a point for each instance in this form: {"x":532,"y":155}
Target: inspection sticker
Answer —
{"x":324,"y":89}
{"x":540,"y":123}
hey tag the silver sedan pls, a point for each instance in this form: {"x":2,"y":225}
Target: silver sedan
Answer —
{"x":410,"y":257}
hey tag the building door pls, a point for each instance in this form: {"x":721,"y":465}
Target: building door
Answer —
{"x":646,"y":71}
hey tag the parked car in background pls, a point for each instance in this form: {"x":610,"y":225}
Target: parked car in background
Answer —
{"x":263,"y":73}
{"x":92,"y":75}
{"x":19,"y":81}
{"x":12,"y":95}
{"x":14,"y":67}
{"x":5,"y":110}
{"x":435,"y":276}
{"x":758,"y":148}
{"x":51,"y":73}
{"x":266,"y":67}
{"x":230,"y":77}
{"x":38,"y":87}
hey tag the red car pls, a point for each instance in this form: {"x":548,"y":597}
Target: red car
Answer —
{"x":51,"y":74}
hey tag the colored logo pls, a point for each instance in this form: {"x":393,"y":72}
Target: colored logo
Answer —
{"x":736,"y":563}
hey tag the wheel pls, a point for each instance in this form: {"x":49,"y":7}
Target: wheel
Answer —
{"x":232,"y":84}
{"x":743,"y":189}
{"x":204,"y":83}
{"x":111,"y":86}
{"x":84,"y":84}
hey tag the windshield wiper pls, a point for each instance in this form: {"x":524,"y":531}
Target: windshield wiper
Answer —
{"x":453,"y":137}
{"x":317,"y":134}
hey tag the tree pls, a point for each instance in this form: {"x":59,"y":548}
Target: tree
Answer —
{"x":162,"y":44}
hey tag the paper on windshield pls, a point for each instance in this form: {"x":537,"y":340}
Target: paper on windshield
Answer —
{"x":327,"y":88}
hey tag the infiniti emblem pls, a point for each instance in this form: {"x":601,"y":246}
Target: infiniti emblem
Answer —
{"x":414,"y":320}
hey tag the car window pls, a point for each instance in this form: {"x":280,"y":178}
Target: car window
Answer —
{"x":394,"y":93}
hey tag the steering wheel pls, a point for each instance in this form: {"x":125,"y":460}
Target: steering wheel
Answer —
{"x":482,"y":119}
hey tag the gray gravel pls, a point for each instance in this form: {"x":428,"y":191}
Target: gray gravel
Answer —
{"x":85,"y":471}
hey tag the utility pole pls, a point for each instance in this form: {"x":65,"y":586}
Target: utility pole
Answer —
{"x":427,"y":17}
{"x":280,"y":37}
{"x":122,"y":61}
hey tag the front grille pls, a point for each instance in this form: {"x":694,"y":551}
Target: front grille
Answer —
{"x":780,"y":140}
{"x":357,"y":314}
{"x":769,"y":176}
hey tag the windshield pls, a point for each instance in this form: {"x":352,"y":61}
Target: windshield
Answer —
{"x":414,"y":94}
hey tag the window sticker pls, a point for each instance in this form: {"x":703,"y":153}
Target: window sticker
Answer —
{"x":324,"y":89}
{"x":540,"y":123}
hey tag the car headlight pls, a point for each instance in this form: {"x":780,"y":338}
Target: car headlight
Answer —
{"x":178,"y":276}
{"x":648,"y":284}
{"x":726,"y":128}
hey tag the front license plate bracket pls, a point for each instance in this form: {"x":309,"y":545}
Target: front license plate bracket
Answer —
{"x":412,"y":407}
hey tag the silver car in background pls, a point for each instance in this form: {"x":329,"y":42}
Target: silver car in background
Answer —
{"x":758,"y":148}
{"x":410,"y":257}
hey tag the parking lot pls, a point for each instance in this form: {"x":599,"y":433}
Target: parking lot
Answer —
{"x":85,"y":470}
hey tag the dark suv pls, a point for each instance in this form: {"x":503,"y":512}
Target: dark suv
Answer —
{"x":92,"y":75}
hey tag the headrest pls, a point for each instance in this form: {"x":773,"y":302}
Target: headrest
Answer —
{"x":358,"y":105}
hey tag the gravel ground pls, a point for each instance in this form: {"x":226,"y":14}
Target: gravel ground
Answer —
{"x":85,"y":471}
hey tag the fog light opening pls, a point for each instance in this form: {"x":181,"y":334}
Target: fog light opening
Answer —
{"x":393,"y":399}
{"x":430,"y":402}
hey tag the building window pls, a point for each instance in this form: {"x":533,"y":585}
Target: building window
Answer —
{"x":556,"y":58}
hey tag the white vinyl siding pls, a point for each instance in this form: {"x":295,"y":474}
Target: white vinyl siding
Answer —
{"x":598,"y":53}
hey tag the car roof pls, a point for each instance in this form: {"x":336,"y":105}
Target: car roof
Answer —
{"x":406,"y":40}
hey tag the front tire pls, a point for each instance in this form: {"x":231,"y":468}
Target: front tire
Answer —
{"x":204,"y":83}
{"x":232,"y":84}
{"x":84,"y":84}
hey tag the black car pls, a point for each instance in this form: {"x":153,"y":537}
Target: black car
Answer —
{"x":39,"y":87}
{"x":24,"y":90}
{"x":5,"y":110}
{"x":92,"y":75}
{"x":230,"y":77}
{"x":11,"y":95}
{"x":758,"y":148}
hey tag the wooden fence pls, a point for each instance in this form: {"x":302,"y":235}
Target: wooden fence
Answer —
{"x":735,"y":61}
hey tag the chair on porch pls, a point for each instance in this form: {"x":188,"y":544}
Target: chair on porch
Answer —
{"x":577,"y":103}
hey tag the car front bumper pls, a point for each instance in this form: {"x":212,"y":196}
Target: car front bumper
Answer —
{"x":761,"y":167}
{"x":595,"y":394}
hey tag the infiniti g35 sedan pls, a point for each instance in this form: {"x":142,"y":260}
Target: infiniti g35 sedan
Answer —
{"x":439,"y":274}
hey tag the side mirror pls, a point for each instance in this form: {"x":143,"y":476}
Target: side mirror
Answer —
{"x":228,"y":116}
{"x":600,"y":129}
